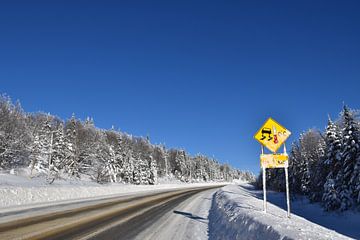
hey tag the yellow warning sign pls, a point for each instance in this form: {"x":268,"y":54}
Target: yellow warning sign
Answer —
{"x":274,"y":160}
{"x":272,"y":135}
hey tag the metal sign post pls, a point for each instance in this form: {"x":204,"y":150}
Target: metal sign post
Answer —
{"x":287,"y":192}
{"x":264,"y":181}
{"x":287,"y":186}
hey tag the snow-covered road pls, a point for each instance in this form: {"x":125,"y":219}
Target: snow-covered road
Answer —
{"x":163,"y":215}
{"x":166,"y":211}
{"x":188,"y":220}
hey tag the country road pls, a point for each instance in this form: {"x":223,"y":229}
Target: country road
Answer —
{"x":175,"y":214}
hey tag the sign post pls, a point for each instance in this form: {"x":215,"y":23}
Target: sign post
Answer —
{"x":264,"y":181}
{"x":272,"y":135}
{"x":287,"y":192}
{"x":287,"y":186}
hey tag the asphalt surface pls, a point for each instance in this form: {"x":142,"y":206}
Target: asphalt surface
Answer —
{"x":137,"y":217}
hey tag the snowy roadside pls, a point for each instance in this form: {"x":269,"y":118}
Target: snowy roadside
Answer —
{"x":17,"y":192}
{"x":236,"y":213}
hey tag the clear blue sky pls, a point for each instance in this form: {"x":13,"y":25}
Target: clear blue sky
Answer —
{"x":200,"y":75}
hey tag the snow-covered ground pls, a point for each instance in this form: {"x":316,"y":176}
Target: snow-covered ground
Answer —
{"x":19,"y":191}
{"x":236,"y":209}
{"x":237,"y":213}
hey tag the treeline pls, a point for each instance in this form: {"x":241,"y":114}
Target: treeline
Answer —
{"x":77,"y":149}
{"x":325,"y":166}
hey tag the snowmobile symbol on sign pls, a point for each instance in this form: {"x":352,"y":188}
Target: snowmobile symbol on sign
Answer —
{"x":272,"y":135}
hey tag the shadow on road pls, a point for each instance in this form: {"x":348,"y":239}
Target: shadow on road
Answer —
{"x":191,"y":216}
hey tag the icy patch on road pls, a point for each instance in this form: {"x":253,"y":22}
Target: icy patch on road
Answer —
{"x":237,"y":213}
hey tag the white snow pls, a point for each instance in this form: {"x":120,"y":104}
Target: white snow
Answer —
{"x":236,"y":210}
{"x":237,"y":213}
{"x":18,"y":191}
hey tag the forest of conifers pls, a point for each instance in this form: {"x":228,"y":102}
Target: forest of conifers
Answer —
{"x":325,"y":166}
{"x":52,"y":147}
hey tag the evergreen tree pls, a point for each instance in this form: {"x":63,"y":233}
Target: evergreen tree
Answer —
{"x":153,"y":172}
{"x":137,"y":170}
{"x":111,"y":166}
{"x":71,"y":152}
{"x":294,"y":163}
{"x":331,"y":198}
{"x":128,"y":167}
{"x":79,"y":148}
{"x":40,"y":154}
{"x":57,"y":156}
{"x":144,"y":171}
{"x":331,"y":166}
{"x":348,"y":176}
{"x":15,"y":136}
{"x":119,"y":158}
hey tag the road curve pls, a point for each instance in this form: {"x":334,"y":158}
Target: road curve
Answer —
{"x":114,"y":218}
{"x":186,"y":221}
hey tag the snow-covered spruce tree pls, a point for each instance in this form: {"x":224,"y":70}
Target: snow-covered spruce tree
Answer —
{"x":331,"y":199}
{"x":36,"y":152}
{"x":71,"y":165}
{"x":119,"y":158}
{"x":201,"y":166}
{"x":111,"y":166}
{"x":128,"y":166}
{"x":198,"y":170}
{"x":302,"y":170}
{"x":311,"y":152}
{"x":15,"y":136}
{"x":88,"y":144}
{"x":347,"y":177}
{"x":144,"y":154}
{"x":331,"y":165}
{"x":206,"y":171}
{"x":317,"y":171}
{"x":114,"y":165}
{"x":304,"y":161}
{"x":177,"y":159}
{"x":217,"y":173}
{"x":57,"y":155}
{"x":225,"y":172}
{"x":153,"y":172}
{"x":101,"y":161}
{"x":144,"y":171}
{"x":137,"y":170}
{"x":160,"y":156}
{"x":40,"y":153}
{"x":167,"y":166}
{"x":294,"y":163}
{"x":212,"y":169}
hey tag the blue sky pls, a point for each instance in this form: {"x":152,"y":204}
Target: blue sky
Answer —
{"x":199,"y":75}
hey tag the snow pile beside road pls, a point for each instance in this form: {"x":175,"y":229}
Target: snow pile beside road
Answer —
{"x":19,"y":191}
{"x":237,"y":213}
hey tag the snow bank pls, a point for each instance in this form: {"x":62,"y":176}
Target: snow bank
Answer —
{"x":18,"y":191}
{"x":236,"y":213}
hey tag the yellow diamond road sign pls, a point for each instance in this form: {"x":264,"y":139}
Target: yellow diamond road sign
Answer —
{"x":272,"y":135}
